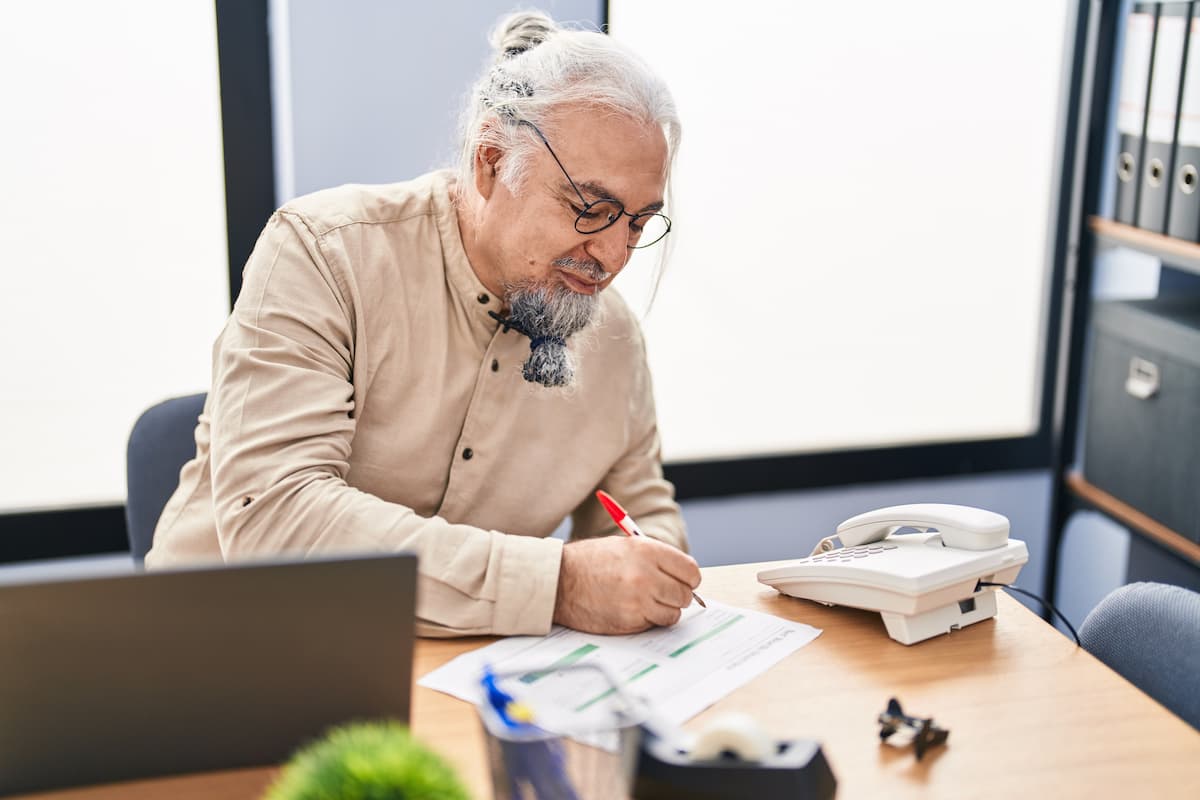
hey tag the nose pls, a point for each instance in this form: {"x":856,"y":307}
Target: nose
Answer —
{"x":610,"y":247}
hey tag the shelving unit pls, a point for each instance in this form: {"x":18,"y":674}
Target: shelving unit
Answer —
{"x":1091,"y":233}
{"x":1132,"y":518}
{"x":1175,"y":252}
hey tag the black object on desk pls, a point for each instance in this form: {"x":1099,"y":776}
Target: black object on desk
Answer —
{"x":797,"y":770}
{"x":919,"y":731}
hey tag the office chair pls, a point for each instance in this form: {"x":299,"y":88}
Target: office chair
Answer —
{"x":161,"y":442}
{"x":1150,"y":634}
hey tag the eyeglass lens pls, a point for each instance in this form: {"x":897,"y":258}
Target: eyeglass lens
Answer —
{"x":644,"y":229}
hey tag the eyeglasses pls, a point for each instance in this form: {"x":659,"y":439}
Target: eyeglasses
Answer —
{"x":645,"y":229}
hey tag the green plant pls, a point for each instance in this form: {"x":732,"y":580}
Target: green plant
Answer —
{"x":367,"y":761}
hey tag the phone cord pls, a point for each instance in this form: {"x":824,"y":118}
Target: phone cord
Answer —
{"x":1033,"y":596}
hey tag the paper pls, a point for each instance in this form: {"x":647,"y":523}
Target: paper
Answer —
{"x":679,"y":671}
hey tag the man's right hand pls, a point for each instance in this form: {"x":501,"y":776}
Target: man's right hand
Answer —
{"x":623,"y":584}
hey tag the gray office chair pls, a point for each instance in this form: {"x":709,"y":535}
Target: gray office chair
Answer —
{"x":162,"y":441}
{"x":1150,"y":633}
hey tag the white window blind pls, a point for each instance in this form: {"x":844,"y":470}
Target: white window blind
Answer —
{"x":864,"y":211}
{"x":112,"y":229}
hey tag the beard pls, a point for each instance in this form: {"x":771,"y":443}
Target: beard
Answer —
{"x":549,"y":313}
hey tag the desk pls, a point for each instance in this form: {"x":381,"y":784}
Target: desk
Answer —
{"x":1029,"y":714}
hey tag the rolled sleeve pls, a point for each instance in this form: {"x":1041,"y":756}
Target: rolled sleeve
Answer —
{"x":528,"y":585}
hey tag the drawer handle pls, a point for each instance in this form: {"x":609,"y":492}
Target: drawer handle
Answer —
{"x":1143,"y":382}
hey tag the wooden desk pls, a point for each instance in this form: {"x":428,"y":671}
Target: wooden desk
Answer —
{"x":1029,"y":714}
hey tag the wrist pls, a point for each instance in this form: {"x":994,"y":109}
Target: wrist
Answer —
{"x":564,"y":589}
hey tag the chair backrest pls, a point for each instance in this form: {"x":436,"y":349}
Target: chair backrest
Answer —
{"x":162,"y":441}
{"x":1150,"y":633}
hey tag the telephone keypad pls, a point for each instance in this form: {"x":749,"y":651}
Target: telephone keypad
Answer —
{"x":849,"y":553}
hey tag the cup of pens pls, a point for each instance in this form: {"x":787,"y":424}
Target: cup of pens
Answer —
{"x":542,"y":749}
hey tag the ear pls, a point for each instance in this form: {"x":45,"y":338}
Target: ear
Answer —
{"x":487,"y":163}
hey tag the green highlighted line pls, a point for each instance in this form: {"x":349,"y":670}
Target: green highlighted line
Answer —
{"x":565,"y":661}
{"x":708,"y":635}
{"x":612,"y":690}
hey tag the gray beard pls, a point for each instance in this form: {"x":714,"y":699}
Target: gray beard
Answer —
{"x":549,"y":313}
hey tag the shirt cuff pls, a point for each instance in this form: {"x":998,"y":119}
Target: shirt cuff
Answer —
{"x":528,"y":586}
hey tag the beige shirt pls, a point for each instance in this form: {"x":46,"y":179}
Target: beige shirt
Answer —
{"x":363,"y":400}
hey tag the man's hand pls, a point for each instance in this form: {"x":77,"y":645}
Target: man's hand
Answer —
{"x":623,"y":584}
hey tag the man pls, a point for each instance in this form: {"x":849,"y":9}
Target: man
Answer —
{"x":397,"y":375}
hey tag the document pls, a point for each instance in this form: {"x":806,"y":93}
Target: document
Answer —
{"x":677,"y":671}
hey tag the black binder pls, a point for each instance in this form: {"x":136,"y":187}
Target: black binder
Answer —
{"x":1183,"y":215}
{"x":1131,"y":108}
{"x":1170,"y":34}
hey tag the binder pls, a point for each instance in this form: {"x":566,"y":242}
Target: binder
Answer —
{"x":1183,"y":215}
{"x":1131,"y":107}
{"x":1162,"y":107}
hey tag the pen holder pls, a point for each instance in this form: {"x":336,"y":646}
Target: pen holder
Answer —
{"x":531,"y":763}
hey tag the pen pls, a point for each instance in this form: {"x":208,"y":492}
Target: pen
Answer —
{"x":626,"y":524}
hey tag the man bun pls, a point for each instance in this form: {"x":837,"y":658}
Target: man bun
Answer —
{"x":521,"y":31}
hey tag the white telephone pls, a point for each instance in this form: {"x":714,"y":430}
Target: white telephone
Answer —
{"x":923,"y":584}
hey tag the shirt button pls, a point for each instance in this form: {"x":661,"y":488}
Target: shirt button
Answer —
{"x":483,"y":298}
{"x":468,"y":454}
{"x":495,"y":365}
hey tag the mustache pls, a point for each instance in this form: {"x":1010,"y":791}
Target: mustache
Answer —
{"x":590,"y":269}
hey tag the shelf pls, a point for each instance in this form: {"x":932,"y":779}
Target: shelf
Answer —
{"x":1123,"y":512}
{"x":1175,"y":253}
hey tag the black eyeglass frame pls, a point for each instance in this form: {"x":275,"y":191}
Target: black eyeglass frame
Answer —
{"x":586,"y":206}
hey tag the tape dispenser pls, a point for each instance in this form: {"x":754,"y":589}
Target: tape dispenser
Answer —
{"x":732,"y":757}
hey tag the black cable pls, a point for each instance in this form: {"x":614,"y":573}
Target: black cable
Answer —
{"x":1033,"y":596}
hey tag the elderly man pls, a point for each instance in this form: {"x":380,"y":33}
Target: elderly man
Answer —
{"x":439,"y":366}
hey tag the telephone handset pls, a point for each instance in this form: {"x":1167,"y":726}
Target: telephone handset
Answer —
{"x":923,"y":583}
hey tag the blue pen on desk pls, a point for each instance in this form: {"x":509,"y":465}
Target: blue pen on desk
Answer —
{"x":532,"y":756}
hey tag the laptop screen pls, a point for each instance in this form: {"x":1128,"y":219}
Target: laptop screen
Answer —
{"x":114,"y":678}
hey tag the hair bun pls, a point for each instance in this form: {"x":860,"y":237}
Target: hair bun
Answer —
{"x":521,"y":31}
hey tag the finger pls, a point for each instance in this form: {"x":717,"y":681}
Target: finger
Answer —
{"x":680,"y":566}
{"x":662,"y":615}
{"x":672,"y":592}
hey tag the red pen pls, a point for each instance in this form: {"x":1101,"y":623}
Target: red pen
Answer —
{"x":626,"y":524}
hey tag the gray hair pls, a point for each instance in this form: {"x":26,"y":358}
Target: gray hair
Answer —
{"x":539,"y":66}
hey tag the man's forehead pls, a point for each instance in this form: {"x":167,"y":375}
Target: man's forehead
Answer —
{"x":599,"y":190}
{"x":611,"y":155}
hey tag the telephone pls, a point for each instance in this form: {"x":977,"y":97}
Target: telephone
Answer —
{"x":924,"y":583}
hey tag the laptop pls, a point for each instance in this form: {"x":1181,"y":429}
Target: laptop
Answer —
{"x":112,"y":678}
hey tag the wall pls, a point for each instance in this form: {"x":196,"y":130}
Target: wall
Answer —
{"x":373,"y":88}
